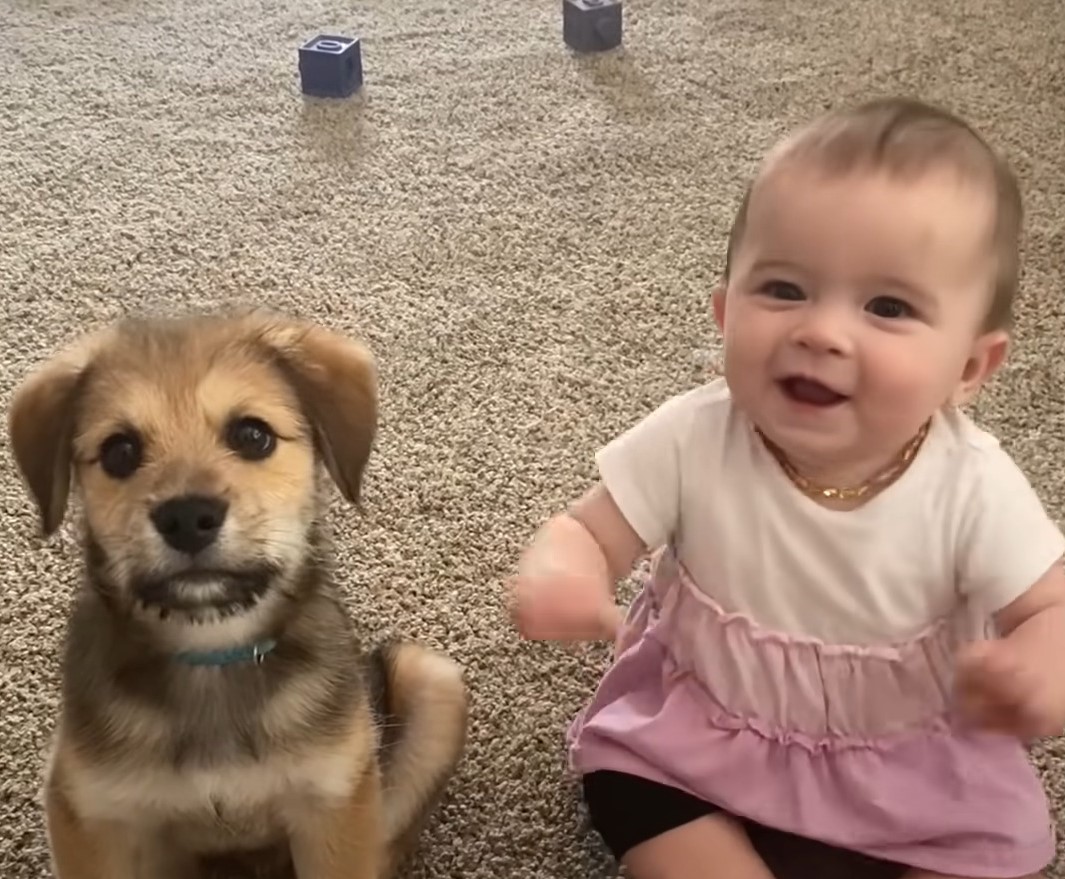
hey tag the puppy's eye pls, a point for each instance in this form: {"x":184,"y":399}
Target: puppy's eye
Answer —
{"x":251,"y":438}
{"x":121,"y":454}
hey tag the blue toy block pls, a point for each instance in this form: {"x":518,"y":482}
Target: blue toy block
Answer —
{"x":591,"y":25}
{"x":331,"y":66}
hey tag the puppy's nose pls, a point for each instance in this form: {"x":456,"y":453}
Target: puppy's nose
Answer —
{"x":190,"y":523}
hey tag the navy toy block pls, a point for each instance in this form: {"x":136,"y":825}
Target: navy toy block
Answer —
{"x":591,"y":25}
{"x":331,"y":66}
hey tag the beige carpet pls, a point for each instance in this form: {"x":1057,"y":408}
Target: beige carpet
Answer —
{"x":526,"y":238}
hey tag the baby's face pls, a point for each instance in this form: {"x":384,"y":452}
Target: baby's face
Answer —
{"x":854,"y":308}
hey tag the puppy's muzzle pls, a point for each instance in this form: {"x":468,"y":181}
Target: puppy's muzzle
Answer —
{"x":190,"y":523}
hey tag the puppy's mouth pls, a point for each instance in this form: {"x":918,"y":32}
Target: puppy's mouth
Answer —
{"x":810,"y":392}
{"x":203,"y":589}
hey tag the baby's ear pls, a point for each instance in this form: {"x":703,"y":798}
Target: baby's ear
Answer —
{"x":988,"y":354}
{"x":717,"y":300}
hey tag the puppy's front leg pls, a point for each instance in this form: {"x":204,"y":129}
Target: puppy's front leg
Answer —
{"x":342,"y":840}
{"x":82,"y":851}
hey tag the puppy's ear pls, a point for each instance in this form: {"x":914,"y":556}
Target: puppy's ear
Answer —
{"x":41,"y":430}
{"x":335,"y":378}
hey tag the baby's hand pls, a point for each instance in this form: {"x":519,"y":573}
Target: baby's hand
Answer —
{"x":564,"y":589}
{"x":555,"y":606}
{"x":1001,"y":689}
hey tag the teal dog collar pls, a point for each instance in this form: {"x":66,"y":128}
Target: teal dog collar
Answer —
{"x":245,"y":653}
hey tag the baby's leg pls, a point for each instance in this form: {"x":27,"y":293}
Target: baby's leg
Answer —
{"x":659,"y":832}
{"x":924,"y":874}
{"x":706,"y":848}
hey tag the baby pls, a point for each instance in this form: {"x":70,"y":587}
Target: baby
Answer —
{"x":855,"y":617}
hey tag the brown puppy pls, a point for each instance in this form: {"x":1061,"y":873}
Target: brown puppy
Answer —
{"x":218,"y":713}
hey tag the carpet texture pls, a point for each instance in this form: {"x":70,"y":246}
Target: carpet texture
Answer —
{"x":526,"y":238}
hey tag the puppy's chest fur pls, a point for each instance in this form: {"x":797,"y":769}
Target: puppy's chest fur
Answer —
{"x":214,"y":755}
{"x":212,"y":808}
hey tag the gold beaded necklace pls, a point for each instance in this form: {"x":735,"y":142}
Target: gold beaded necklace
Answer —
{"x":889,"y":473}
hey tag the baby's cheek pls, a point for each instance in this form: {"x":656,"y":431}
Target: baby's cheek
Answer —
{"x":903,"y":373}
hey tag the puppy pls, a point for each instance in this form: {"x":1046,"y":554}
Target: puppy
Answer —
{"x":219,"y":716}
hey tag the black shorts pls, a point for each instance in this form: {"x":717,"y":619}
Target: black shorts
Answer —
{"x":627,"y":810}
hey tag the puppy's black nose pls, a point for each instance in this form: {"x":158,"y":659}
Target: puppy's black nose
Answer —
{"x":190,"y":523}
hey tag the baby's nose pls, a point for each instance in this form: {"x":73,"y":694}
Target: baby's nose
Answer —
{"x":824,"y":331}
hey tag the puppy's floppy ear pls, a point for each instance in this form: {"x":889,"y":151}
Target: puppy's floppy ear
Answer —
{"x":335,"y":378}
{"x":41,"y":430}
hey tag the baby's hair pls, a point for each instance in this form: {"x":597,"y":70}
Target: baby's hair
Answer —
{"x":906,"y":138}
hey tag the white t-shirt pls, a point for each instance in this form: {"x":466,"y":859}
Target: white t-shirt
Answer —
{"x":961,"y":524}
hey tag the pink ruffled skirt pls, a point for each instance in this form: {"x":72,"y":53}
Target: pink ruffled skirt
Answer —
{"x":853,"y":746}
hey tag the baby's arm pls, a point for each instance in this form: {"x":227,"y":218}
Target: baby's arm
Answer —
{"x":1035,"y":621}
{"x":564,"y":589}
{"x":1009,"y":565}
{"x":1015,"y":684}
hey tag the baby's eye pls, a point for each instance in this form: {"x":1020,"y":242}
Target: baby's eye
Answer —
{"x":783,"y":290}
{"x":889,"y":307}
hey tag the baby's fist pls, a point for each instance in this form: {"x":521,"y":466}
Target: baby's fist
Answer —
{"x":1000,"y":689}
{"x":562,"y":607}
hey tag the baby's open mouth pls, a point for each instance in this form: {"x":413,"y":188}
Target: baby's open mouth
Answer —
{"x":810,"y":391}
